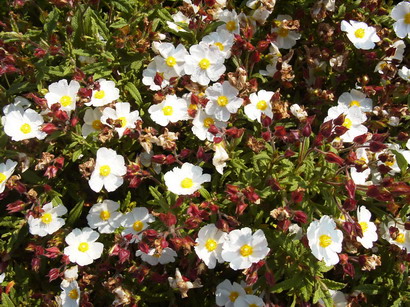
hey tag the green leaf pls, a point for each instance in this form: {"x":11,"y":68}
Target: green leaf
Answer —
{"x":132,"y":89}
{"x":51,"y":21}
{"x":75,"y":213}
{"x":369,"y":288}
{"x":293,"y":282}
{"x":119,"y":24}
{"x":159,"y":198}
{"x":56,"y":201}
{"x":401,"y":161}
{"x":76,"y":155}
{"x":6,"y":301}
{"x":334,"y":285}
{"x":204,"y":193}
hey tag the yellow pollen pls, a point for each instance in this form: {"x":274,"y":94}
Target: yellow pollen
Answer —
{"x":282,"y":32}
{"x":156,"y":255}
{"x":325,"y":240}
{"x":73,"y":294}
{"x":137,"y":226}
{"x":208,"y":122}
{"x":168,"y":110}
{"x":231,"y":25}
{"x":204,"y":63}
{"x":277,"y":23}
{"x":407,"y":18}
{"x":83,"y":247}
{"x":25,"y":128}
{"x":171,"y":61}
{"x":246,"y":250}
{"x":99,"y":94}
{"x":193,"y":107}
{"x":347,"y":123}
{"x":248,"y":290}
{"x":123,"y":121}
{"x":400,"y":238}
{"x":211,"y":245}
{"x":261,"y":105}
{"x":354,"y":103}
{"x":390,"y":163}
{"x":222,"y":101}
{"x":97,"y":124}
{"x":233,"y":296}
{"x":105,"y":215}
{"x":364,"y":226}
{"x":359,"y":33}
{"x":2,"y":177}
{"x":187,"y":183}
{"x":220,"y":46}
{"x":105,"y":170}
{"x":66,"y":101}
{"x":47,"y":218}
{"x":253,"y":305}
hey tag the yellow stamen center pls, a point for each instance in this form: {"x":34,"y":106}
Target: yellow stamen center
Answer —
{"x":105,"y":215}
{"x":233,"y":296}
{"x":211,"y":245}
{"x":220,"y":46}
{"x":364,"y":226}
{"x":123,"y":121}
{"x":222,"y":101}
{"x":400,"y":238}
{"x":347,"y":123}
{"x":73,"y":294}
{"x":282,"y":32}
{"x":97,"y":124}
{"x":193,"y":107}
{"x":99,"y":94}
{"x":359,"y":33}
{"x":354,"y":103}
{"x":25,"y":128}
{"x":277,"y":23}
{"x":208,"y":122}
{"x":2,"y":177}
{"x":391,"y":162}
{"x":168,"y":110}
{"x":325,"y":240}
{"x":204,"y":63}
{"x":66,"y":101}
{"x":248,"y":290}
{"x":253,"y":305}
{"x":246,"y":250}
{"x":83,"y":247}
{"x":47,"y":218}
{"x":407,"y":18}
{"x":105,"y":170}
{"x":231,"y":25}
{"x":137,"y":226}
{"x":261,"y":105}
{"x":187,"y":183}
{"x":171,"y":61}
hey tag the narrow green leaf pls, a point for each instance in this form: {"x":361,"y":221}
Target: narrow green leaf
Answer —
{"x":75,"y":213}
{"x":132,"y":89}
{"x":6,"y":301}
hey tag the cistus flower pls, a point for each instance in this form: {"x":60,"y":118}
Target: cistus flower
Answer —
{"x":135,"y":222}
{"x":92,"y":121}
{"x":325,"y":240}
{"x":249,"y":300}
{"x":223,"y":39}
{"x":108,"y":171}
{"x":201,"y":124}
{"x":401,"y":14}
{"x":231,"y":21}
{"x":260,"y":104}
{"x":400,"y":237}
{"x":220,"y":157}
{"x":6,"y":170}
{"x":70,"y":297}
{"x":360,"y":34}
{"x":369,"y":229}
{"x":209,"y":245}
{"x":106,"y":94}
{"x":172,"y":60}
{"x":404,"y":73}
{"x":180,"y":18}
{"x":167,"y":255}
{"x":63,"y":93}
{"x":152,"y":77}
{"x":121,"y":118}
{"x":105,"y":216}
{"x":285,"y":39}
{"x":49,"y":221}
{"x":227,"y":293}
{"x":185,"y":180}
{"x":242,"y":248}
{"x":82,"y":246}
{"x":172,"y":109}
{"x":356,"y":98}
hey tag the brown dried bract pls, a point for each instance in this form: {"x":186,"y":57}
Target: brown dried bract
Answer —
{"x":44,"y":161}
{"x":87,"y":168}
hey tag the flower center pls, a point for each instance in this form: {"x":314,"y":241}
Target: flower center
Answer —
{"x":282,"y":32}
{"x":220,"y":46}
{"x":325,"y":240}
{"x":123,"y":121}
{"x":66,"y":101}
{"x":99,"y":94}
{"x":246,"y":250}
{"x":354,"y":103}
{"x":105,"y":170}
{"x":391,"y":162}
{"x":253,"y":305}
{"x":208,"y":122}
{"x":47,"y":218}
{"x":261,"y":105}
{"x":73,"y":294}
{"x":407,"y":18}
{"x":2,"y":177}
{"x":97,"y":124}
{"x":233,"y":296}
{"x":187,"y":183}
{"x":359,"y":33}
{"x":222,"y":101}
{"x":204,"y":63}
{"x":193,"y":106}
{"x":364,"y":226}
{"x":105,"y":215}
{"x":231,"y":25}
{"x":171,"y":61}
{"x":168,"y":110}
{"x":347,"y":123}
{"x":83,"y":247}
{"x":248,"y":290}
{"x":211,"y":245}
{"x":25,"y":128}
{"x":137,"y":226}
{"x":400,"y":238}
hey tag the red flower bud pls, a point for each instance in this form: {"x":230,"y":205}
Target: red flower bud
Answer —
{"x":39,"y":53}
{"x":274,"y":184}
{"x":289,"y":153}
{"x":49,"y":128}
{"x":266,"y":121}
{"x":307,"y":130}
{"x":284,"y":224}
{"x":222,"y":225}
{"x":235,"y":132}
{"x":351,"y":188}
{"x":255,"y":57}
{"x":360,"y":139}
{"x":74,"y":121}
{"x":143,"y":247}
{"x":213,"y":129}
{"x":262,"y":45}
{"x":168,"y":219}
{"x":333,"y":158}
{"x":16,"y":206}
{"x":240,"y":208}
{"x":217,"y":140}
{"x":267,"y":136}
{"x":377,"y":146}
{"x":185,"y":153}
{"x":326,"y":129}
{"x":280,"y":131}
{"x":53,"y":274}
{"x":158,"y":79}
{"x":123,"y":255}
{"x":300,"y":217}
{"x":250,"y":194}
{"x":160,"y":159}
{"x":340,"y":130}
{"x":350,"y":204}
{"x":170,"y":159}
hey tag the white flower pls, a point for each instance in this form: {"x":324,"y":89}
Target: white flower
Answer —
{"x":70,"y":297}
{"x":361,"y":177}
{"x":360,"y":34}
{"x":227,"y":293}
{"x":185,"y":180}
{"x":63,"y":93}
{"x":338,"y":297}
{"x":399,"y":48}
{"x":172,"y":109}
{"x":108,"y":171}
{"x":241,"y":249}
{"x":404,"y":73}
{"x":249,"y":300}
{"x":6,"y":170}
{"x":272,"y":57}
{"x":298,"y":112}
{"x":260,"y":104}
{"x":231,"y":21}
{"x":172,"y":60}
{"x":261,"y":14}
{"x":82,"y":248}
{"x":123,"y":115}
{"x":179,"y":283}
{"x":220,"y":157}
{"x":325,"y":240}
{"x":106,"y":94}
{"x":223,"y":100}
{"x":149,"y":74}
{"x":71,"y":273}
{"x":2,"y":277}
{"x":201,"y":124}
{"x":92,"y":121}
{"x":204,"y":63}
{"x":356,"y":98}
{"x":285,"y":39}
{"x":401,"y":14}
{"x":167,"y":255}
{"x":223,"y":39}
{"x":402,"y":238}
{"x":22,"y":124}
{"x":135,"y":222}
{"x":105,"y":216}
{"x":49,"y":221}
{"x":180,"y":18}
{"x":369,"y":229}
{"x":209,"y":245}
{"x":391,"y":160}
